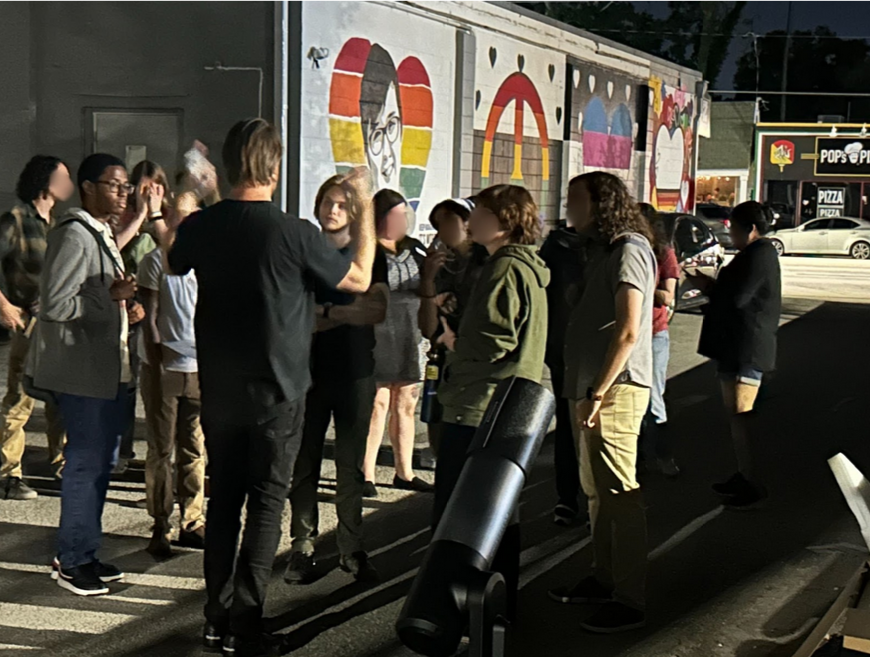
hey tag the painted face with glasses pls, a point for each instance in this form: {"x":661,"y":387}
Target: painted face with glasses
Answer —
{"x":384,"y":143}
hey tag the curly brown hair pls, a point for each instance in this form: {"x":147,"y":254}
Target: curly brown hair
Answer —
{"x":516,"y":210}
{"x":614,"y":210}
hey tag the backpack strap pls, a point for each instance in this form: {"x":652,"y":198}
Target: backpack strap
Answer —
{"x":119,"y":269}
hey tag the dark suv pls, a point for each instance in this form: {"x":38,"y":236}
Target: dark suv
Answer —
{"x":696,"y":246}
{"x":718,"y":219}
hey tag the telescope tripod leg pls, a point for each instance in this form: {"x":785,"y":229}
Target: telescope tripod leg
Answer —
{"x":487,"y":606}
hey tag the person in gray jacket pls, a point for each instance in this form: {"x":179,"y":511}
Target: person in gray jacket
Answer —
{"x":81,"y":358}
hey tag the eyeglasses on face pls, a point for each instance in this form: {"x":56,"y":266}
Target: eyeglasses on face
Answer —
{"x":117,"y":187}
{"x":389,"y":133}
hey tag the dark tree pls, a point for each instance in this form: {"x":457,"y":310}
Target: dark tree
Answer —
{"x":819,"y":62}
{"x":701,"y":33}
{"x":694,"y":34}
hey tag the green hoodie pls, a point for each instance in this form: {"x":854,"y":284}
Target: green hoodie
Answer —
{"x":503,"y":333}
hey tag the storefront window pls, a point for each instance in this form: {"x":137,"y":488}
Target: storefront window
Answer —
{"x":781,"y":195}
{"x":834,"y":199}
{"x":722,"y":190}
{"x":865,"y":202}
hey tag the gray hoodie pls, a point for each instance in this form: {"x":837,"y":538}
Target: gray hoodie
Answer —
{"x":79,"y":346}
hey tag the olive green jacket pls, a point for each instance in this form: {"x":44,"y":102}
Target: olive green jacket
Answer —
{"x":503,"y":333}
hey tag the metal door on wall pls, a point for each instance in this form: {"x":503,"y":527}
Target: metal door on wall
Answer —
{"x":136,"y":135}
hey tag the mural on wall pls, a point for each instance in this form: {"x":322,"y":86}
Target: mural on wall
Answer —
{"x":603,"y":118}
{"x":518,"y":118}
{"x":380,"y":116}
{"x":671,"y":173}
{"x":378,"y":98}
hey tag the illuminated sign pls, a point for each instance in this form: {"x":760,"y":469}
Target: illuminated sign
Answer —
{"x":782,"y":153}
{"x":842,"y":157}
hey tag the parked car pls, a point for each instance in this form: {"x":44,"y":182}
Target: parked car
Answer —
{"x":697,"y":247}
{"x":718,"y":219}
{"x":826,"y":236}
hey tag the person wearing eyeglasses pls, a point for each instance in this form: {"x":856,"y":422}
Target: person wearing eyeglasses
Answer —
{"x":380,"y":108}
{"x":80,"y":356}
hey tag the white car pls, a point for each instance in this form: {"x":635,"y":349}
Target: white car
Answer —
{"x":829,"y":236}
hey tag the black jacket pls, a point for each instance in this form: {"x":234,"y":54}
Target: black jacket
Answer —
{"x":742,"y":318}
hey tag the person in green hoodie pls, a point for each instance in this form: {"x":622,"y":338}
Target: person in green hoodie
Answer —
{"x":502,"y":334}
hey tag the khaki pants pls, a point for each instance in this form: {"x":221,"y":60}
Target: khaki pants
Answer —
{"x":17,"y":408}
{"x":172,"y":416}
{"x":608,"y":460}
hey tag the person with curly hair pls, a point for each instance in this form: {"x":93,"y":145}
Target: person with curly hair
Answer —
{"x":44,"y":181}
{"x":608,"y":376}
{"x":502,"y":334}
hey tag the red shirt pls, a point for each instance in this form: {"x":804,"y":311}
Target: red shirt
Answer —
{"x":668,"y":268}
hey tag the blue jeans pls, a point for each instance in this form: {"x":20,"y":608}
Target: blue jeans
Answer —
{"x":93,"y":428}
{"x":661,"y":352}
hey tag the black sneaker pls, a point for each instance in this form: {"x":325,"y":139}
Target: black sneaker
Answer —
{"x":565,"y":514}
{"x":370,"y":490}
{"x":416,"y":484}
{"x":265,"y":645}
{"x":159,"y":546}
{"x":615,"y":617}
{"x":193,"y":539}
{"x":213,"y":637}
{"x":750,"y":498}
{"x":14,"y":488}
{"x":358,"y":565}
{"x":82,"y":580}
{"x":588,"y":592}
{"x":106,"y":572}
{"x":735,"y":485}
{"x":300,"y":570}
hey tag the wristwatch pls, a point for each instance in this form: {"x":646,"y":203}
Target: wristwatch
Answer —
{"x":591,"y":396}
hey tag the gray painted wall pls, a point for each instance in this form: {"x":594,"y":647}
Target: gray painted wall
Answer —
{"x":62,"y":58}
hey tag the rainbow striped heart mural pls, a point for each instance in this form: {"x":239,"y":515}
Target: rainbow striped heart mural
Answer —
{"x":380,"y":116}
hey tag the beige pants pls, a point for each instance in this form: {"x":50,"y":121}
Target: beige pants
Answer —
{"x":17,"y":408}
{"x":172,"y":416}
{"x":608,"y":460}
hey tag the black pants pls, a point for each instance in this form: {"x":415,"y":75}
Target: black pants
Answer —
{"x":253,"y":460}
{"x":565,"y":458}
{"x":350,"y":402}
{"x":653,"y":440}
{"x":455,"y":441}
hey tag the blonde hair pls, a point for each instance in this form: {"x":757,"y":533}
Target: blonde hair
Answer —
{"x":251,"y":153}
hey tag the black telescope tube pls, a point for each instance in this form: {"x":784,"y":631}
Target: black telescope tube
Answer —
{"x":505,"y":446}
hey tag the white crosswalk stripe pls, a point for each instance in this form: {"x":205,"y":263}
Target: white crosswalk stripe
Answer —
{"x":41,"y":617}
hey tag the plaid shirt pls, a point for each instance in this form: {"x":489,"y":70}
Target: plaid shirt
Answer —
{"x":23,"y":236}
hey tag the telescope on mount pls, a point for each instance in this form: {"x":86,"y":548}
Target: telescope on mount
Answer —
{"x":454,"y":590}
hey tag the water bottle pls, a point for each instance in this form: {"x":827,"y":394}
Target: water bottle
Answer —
{"x":430,"y":411}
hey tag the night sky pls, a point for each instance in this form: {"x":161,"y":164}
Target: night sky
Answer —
{"x":847,"y":19}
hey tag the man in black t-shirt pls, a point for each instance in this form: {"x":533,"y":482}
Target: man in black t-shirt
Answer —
{"x":256,"y":268}
{"x":342,"y":365}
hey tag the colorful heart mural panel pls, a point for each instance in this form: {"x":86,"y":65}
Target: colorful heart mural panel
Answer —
{"x":671,"y":178}
{"x":603,"y":118}
{"x":381,"y":116}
